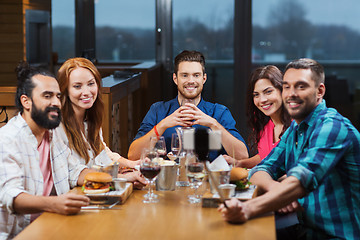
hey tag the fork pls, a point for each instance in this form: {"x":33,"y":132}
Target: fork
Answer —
{"x":99,"y":207}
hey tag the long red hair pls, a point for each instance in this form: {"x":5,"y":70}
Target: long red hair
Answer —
{"x":94,"y":115}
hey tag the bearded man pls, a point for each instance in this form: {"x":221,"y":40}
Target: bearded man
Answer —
{"x":320,"y":155}
{"x":36,"y":168}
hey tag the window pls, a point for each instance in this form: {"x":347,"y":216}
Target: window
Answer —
{"x":63,"y":28}
{"x":207,"y":26}
{"x":288,"y":29}
{"x":327,"y":31}
{"x":125,"y":30}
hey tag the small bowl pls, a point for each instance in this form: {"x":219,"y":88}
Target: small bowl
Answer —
{"x":228,"y":190}
{"x":119,"y":183}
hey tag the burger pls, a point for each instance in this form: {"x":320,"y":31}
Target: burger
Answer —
{"x":97,"y":182}
{"x":239,"y":177}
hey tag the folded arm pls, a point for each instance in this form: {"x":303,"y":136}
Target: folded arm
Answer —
{"x":175,"y":119}
{"x":279,"y":196}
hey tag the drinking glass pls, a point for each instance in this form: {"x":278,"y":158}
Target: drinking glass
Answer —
{"x":186,"y":100}
{"x":195,"y":173}
{"x":158,"y":144}
{"x":150,"y":169}
{"x":175,"y":147}
{"x":190,"y":154}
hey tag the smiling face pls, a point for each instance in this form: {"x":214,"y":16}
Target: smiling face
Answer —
{"x":82,"y":89}
{"x":45,"y":107}
{"x":267,"y":98}
{"x":190,"y":80}
{"x":300,"y":93}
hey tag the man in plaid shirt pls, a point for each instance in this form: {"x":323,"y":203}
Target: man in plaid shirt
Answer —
{"x":36,"y":168}
{"x":320,"y":154}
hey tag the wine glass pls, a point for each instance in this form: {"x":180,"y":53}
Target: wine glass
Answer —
{"x":158,"y":144}
{"x":148,"y":155}
{"x":175,"y":147}
{"x":150,"y":169}
{"x":195,"y":173}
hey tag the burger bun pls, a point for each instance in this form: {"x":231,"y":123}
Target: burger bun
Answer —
{"x":238,"y":173}
{"x":98,"y":177}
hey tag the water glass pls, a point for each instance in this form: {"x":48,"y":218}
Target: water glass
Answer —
{"x":158,"y":144}
{"x":196,"y":174}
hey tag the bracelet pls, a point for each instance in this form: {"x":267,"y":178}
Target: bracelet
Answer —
{"x":156,"y":132}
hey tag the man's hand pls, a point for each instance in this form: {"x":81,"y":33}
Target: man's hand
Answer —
{"x":292,"y":207}
{"x":175,"y":119}
{"x":235,"y":213}
{"x":196,"y":116}
{"x":68,"y":204}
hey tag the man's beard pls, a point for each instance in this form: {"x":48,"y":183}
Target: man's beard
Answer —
{"x":303,"y":112}
{"x":42,"y":119}
{"x":187,"y":95}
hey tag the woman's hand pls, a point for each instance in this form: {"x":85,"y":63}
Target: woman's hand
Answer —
{"x":135,"y":177}
{"x":132,"y":164}
{"x":230,"y":160}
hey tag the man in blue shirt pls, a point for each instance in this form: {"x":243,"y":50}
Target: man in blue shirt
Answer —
{"x":320,"y":154}
{"x":189,"y":76}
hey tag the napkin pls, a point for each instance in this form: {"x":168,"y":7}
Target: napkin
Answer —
{"x":219,"y":164}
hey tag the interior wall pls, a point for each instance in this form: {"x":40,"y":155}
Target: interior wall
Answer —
{"x":11,"y":39}
{"x":12,"y":35}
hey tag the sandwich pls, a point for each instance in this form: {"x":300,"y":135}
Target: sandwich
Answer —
{"x":239,"y":177}
{"x":97,"y":182}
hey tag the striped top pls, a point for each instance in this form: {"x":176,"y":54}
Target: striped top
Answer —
{"x":323,"y":152}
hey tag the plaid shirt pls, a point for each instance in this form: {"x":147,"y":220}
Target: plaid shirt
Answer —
{"x":323,"y":152}
{"x":20,"y":171}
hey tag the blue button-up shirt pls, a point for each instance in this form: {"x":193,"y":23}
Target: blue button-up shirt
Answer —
{"x":323,"y":152}
{"x":160,"y":110}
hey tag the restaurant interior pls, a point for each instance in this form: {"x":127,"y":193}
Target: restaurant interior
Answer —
{"x":133,"y":44}
{"x":144,"y":36}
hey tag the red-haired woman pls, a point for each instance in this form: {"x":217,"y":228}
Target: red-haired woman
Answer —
{"x":82,"y":115}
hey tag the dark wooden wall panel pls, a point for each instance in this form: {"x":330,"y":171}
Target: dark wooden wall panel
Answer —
{"x":12,"y":35}
{"x":11,"y":39}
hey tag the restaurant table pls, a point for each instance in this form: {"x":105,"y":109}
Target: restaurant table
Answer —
{"x":173,"y":217}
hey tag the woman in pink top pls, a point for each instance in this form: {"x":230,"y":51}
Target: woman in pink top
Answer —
{"x":266,"y":114}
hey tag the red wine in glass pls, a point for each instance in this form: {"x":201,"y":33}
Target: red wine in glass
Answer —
{"x":149,"y":172}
